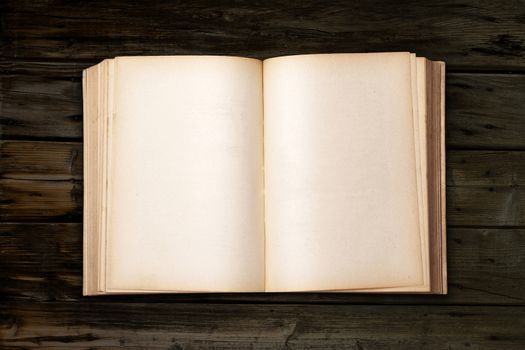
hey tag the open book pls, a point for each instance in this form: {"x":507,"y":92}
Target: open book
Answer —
{"x":299,"y":173}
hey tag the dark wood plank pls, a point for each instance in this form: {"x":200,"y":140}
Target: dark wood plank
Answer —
{"x":34,"y":200}
{"x":61,"y":201}
{"x":483,"y":110}
{"x":239,"y":326}
{"x":485,"y":168}
{"x":40,"y":107}
{"x":484,"y":188}
{"x":34,"y":160}
{"x":50,"y":69}
{"x":44,"y":160}
{"x":41,"y":261}
{"x":486,"y":206}
{"x":468,"y":35}
{"x":41,"y":181}
{"x":44,"y":262}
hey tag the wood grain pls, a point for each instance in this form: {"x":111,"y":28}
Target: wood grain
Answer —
{"x":45,"y":44}
{"x":468,"y":35}
{"x":40,"y":107}
{"x":61,"y":201}
{"x":241,"y":326}
{"x":44,"y":160}
{"x":483,"y":110}
{"x":40,"y":201}
{"x":43,"y":262}
{"x":33,"y":160}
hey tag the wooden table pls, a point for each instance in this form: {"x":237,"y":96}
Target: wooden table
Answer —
{"x":45,"y":46}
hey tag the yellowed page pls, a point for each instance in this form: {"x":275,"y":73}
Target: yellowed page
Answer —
{"x":186,"y":187}
{"x":341,"y":185}
{"x":422,"y":167}
{"x":419,"y":96}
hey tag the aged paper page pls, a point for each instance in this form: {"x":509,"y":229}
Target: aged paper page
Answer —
{"x":340,"y":163}
{"x":186,"y":187}
{"x":421,"y":132}
{"x":419,"y":99}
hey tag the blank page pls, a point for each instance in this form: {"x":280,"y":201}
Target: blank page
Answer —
{"x":185,"y":183}
{"x":341,"y":188}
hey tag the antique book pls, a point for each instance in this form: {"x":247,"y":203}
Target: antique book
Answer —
{"x":322,"y":172}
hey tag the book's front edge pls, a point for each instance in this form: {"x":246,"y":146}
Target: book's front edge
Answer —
{"x":91,"y":80}
{"x":443,"y":185}
{"x":85,"y":260}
